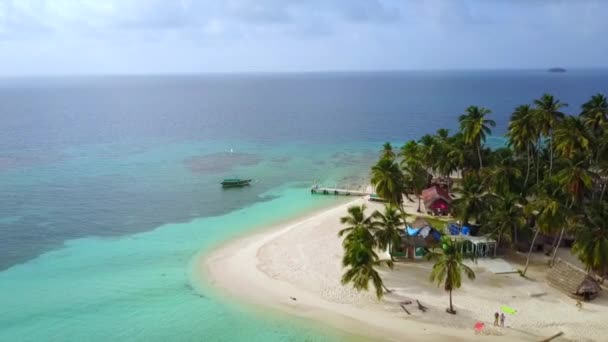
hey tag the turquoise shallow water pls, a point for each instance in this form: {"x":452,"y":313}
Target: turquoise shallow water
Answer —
{"x":110,"y":184}
{"x":144,"y":286}
{"x":141,"y":286}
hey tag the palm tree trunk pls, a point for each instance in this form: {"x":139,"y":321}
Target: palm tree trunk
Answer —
{"x":538,"y":161}
{"x":479,"y":155}
{"x":550,"y":153}
{"x":528,"y":170}
{"x":561,"y":234}
{"x":419,"y":204}
{"x":499,"y":238}
{"x":451,"y":307}
{"x":530,"y":252}
{"x":603,"y":191}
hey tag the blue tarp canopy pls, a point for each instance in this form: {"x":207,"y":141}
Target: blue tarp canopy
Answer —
{"x":412,"y":231}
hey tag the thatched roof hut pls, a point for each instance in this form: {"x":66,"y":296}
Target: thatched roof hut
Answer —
{"x":575,"y":282}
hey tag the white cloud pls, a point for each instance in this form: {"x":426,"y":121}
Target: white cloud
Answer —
{"x":66,"y":36}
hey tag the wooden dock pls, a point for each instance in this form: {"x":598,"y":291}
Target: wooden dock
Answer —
{"x":337,"y":191}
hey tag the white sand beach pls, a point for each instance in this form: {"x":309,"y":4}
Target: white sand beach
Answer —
{"x":301,"y":259}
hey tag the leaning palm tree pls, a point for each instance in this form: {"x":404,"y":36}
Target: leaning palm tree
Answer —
{"x":387,"y":151}
{"x":388,"y":225}
{"x":550,"y":214}
{"x":388,"y":181}
{"x":575,"y":180}
{"x":591,"y":244}
{"x":522,"y":134}
{"x":449,"y":267}
{"x":356,"y":219}
{"x":475,"y":127}
{"x":359,"y":255}
{"x":362,"y":263}
{"x":547,"y":115}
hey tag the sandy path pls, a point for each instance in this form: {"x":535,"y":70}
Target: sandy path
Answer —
{"x":301,"y":259}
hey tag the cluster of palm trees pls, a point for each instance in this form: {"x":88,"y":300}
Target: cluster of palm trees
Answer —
{"x":363,"y":236}
{"x":551,"y":178}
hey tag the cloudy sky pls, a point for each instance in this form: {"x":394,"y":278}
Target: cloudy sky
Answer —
{"x":160,"y":36}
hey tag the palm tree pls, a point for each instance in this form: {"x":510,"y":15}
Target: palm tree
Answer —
{"x":550,"y":214}
{"x":475,"y":127}
{"x":415,"y":179}
{"x":591,"y":244}
{"x":575,"y":180}
{"x":595,"y":118}
{"x":449,"y":267}
{"x":547,"y":115}
{"x":356,"y":219}
{"x":387,"y":151}
{"x":359,"y":255}
{"x":522,"y":134}
{"x":362,"y":263}
{"x":443,"y":134}
{"x":507,"y":216}
{"x":471,"y":202}
{"x":571,"y":138}
{"x":505,"y":175}
{"x":410,"y":152}
{"x":388,"y":181}
{"x":388,"y":226}
{"x":595,"y":114}
{"x":429,"y":150}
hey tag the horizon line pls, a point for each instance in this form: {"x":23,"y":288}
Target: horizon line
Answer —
{"x":285,"y":72}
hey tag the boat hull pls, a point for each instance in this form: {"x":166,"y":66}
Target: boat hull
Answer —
{"x":236,"y":184}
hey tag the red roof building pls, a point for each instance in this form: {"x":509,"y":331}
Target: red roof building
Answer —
{"x":436,"y":200}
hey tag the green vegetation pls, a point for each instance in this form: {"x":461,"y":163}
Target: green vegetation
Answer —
{"x":449,"y":267}
{"x":359,"y":244}
{"x":550,"y":179}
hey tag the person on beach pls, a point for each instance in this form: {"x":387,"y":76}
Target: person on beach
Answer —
{"x":496,"y":319}
{"x":502,"y":320}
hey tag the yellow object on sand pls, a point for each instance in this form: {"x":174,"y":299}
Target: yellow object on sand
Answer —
{"x":508,"y":310}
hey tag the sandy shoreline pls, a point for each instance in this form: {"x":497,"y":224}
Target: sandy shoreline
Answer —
{"x":301,"y":259}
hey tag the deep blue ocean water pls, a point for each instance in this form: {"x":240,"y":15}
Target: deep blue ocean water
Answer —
{"x":110,"y":184}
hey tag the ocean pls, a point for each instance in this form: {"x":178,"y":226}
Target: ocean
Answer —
{"x":110,"y":184}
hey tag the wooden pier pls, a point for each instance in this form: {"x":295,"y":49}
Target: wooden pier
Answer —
{"x":337,"y":191}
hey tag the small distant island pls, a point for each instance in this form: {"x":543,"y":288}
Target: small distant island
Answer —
{"x":556,"y":70}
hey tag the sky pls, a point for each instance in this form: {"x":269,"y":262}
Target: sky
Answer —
{"x":57,"y":37}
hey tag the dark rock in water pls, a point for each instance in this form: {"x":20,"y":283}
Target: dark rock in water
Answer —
{"x":556,"y":70}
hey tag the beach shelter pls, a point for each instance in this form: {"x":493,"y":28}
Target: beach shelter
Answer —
{"x":417,"y":238}
{"x":572,"y":280}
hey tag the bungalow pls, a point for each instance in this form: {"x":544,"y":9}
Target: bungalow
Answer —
{"x":436,"y":200}
{"x":417,"y":238}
